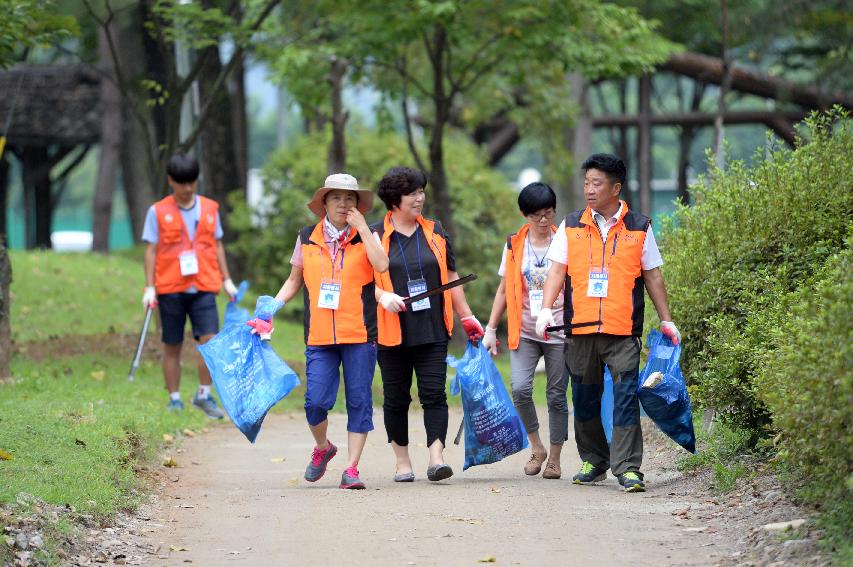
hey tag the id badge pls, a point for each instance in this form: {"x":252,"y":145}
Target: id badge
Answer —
{"x":535,"y":296}
{"x":416,"y":287}
{"x":189,"y":263}
{"x":330,"y":295}
{"x":597,"y":286}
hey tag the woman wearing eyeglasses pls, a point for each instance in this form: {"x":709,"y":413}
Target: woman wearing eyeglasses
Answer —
{"x":524,"y":267}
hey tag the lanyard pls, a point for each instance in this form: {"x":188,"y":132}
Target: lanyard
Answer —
{"x":403,"y":254}
{"x":340,"y":248}
{"x":540,"y":262}
{"x":604,"y":247}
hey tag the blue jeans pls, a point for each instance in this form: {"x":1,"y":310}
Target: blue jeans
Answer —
{"x":322,"y":377}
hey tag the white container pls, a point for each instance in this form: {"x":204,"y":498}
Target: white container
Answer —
{"x":71,"y":240}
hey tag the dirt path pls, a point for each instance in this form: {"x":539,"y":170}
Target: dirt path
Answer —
{"x":230,"y":501}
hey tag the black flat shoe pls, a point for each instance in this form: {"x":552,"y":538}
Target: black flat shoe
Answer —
{"x":405,"y":477}
{"x":439,"y":472}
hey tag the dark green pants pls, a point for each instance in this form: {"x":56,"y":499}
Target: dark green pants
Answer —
{"x":586,"y":356}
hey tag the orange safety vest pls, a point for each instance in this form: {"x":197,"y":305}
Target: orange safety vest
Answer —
{"x":173,"y":239}
{"x":621,"y":312}
{"x":354,"y":321}
{"x":389,"y":323}
{"x":513,"y":286}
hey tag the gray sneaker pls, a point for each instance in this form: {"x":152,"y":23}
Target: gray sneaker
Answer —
{"x":319,"y":459}
{"x":209,"y":407}
{"x":350,"y":480}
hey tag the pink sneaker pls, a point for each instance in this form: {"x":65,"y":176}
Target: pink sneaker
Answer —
{"x":319,"y":459}
{"x":350,"y":479}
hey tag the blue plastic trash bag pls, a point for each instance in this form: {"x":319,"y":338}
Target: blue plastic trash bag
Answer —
{"x":607,"y":405}
{"x":249,"y":376}
{"x":493,"y":429}
{"x":667,"y":403}
{"x":234,"y":314}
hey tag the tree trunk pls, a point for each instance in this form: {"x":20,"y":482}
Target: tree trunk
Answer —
{"x":137,"y":170}
{"x":622,"y":148}
{"x":579,"y":139}
{"x":337,"y":158}
{"x":688,"y":133}
{"x":438,"y":175}
{"x":111,"y":134}
{"x":159,"y":62}
{"x":5,"y":329}
{"x":4,"y":194}
{"x":35,"y":177}
{"x":644,"y":145}
{"x":239,"y":121}
{"x":219,"y":171}
{"x":5,"y":277}
{"x":719,"y":133}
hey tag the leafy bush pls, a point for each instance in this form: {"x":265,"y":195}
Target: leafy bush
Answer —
{"x":807,"y":382}
{"x":484,"y":207}
{"x":755,"y":236}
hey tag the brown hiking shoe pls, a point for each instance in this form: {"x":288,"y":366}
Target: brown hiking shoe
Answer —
{"x":534,"y":465}
{"x":552,"y":470}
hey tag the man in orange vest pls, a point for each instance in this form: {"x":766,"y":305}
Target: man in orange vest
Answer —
{"x":185,"y":268}
{"x":605,"y":255}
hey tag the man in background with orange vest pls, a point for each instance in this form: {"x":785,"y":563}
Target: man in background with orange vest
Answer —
{"x":185,"y":268}
{"x":606,"y":255}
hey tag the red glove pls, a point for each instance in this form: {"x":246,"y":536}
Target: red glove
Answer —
{"x":261,"y":327}
{"x":669,"y":329}
{"x":473,"y":328}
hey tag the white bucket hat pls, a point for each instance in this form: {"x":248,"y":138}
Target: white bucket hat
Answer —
{"x":345,"y":182}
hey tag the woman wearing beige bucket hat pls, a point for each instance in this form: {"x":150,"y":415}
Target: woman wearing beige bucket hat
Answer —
{"x":336,"y":259}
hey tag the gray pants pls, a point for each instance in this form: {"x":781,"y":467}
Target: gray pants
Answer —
{"x":586,"y":356}
{"x":523,"y":362}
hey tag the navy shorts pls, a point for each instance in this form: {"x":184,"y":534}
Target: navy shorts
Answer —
{"x":174,"y":308}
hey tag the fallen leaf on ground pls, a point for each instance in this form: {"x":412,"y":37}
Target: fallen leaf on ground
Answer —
{"x":5,"y":455}
{"x":170,"y":462}
{"x":496,"y":490}
{"x":277,"y":459}
{"x":472,"y":521}
{"x":189,"y":432}
{"x":98,"y":375}
{"x":488,"y":559}
{"x":168,"y":438}
{"x":293,"y":481}
{"x":176,"y":548}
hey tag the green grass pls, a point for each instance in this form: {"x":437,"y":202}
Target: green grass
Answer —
{"x":77,"y":430}
{"x":722,"y":451}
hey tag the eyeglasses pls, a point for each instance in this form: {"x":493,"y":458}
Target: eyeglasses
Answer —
{"x":540,"y":216}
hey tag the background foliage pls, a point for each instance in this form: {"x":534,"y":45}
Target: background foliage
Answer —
{"x":484,"y":204}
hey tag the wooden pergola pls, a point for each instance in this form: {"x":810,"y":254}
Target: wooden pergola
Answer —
{"x":55,"y":112}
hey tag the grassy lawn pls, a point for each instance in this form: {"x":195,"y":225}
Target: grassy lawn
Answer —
{"x":72,"y":428}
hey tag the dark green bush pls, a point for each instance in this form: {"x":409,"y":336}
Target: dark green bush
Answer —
{"x":756,"y":235}
{"x":807,"y":381}
{"x":484,"y":207}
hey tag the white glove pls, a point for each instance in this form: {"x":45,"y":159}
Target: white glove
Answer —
{"x":545,"y":319}
{"x":490,"y":340}
{"x":392,"y":302}
{"x":149,"y":297}
{"x":669,"y":329}
{"x":230,"y":288}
